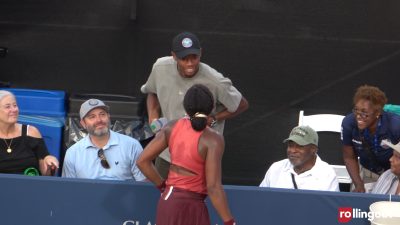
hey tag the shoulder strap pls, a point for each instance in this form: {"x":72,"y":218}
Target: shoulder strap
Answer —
{"x":24,"y":130}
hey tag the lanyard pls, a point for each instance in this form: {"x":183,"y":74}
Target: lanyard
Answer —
{"x":367,"y":135}
{"x":294,"y":181}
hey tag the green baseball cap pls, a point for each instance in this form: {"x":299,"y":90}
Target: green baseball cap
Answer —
{"x":303,"y":135}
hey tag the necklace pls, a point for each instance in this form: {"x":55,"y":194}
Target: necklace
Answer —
{"x":9,"y":150}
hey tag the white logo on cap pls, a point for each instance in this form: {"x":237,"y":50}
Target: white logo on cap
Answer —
{"x":93,"y":102}
{"x":187,"y":42}
{"x":299,"y":132}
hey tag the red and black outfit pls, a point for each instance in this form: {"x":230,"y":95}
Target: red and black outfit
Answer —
{"x":182,"y":202}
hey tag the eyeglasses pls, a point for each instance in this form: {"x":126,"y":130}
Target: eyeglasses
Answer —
{"x":362,"y":114}
{"x":103,"y":159}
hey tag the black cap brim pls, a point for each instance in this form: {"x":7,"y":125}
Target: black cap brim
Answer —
{"x":186,"y":52}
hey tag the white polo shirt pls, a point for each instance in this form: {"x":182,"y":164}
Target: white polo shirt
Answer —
{"x":321,"y":177}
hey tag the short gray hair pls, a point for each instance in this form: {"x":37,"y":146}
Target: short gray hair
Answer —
{"x":4,"y":93}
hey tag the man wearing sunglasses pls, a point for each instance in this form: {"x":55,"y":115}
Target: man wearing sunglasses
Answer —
{"x":103,"y":153}
{"x":362,"y":133}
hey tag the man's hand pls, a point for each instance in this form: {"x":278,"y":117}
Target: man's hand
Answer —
{"x":359,"y":188}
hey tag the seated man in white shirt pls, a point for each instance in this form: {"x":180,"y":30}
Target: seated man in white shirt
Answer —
{"x":303,"y":169}
{"x":389,"y":182}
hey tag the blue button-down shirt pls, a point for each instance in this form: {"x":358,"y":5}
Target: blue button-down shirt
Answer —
{"x":82,"y":161}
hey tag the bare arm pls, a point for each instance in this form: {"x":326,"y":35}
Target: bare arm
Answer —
{"x":215,"y":145}
{"x":351,"y":162}
{"x":223,"y":115}
{"x":153,"y":107}
{"x":49,"y":164}
{"x":151,"y":151}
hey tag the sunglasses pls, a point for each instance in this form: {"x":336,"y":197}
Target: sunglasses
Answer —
{"x":103,"y":159}
{"x":362,"y":114}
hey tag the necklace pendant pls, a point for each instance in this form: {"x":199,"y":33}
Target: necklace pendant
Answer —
{"x":9,"y":150}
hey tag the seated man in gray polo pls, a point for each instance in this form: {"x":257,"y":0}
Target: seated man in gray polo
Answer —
{"x":103,"y":153}
{"x":303,"y":169}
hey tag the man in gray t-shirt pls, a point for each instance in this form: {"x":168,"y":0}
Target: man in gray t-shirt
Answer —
{"x":172,"y":76}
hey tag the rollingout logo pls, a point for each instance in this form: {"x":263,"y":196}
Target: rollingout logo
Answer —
{"x":345,"y":214}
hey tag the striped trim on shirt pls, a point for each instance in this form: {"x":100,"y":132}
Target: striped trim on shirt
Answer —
{"x":386,"y":184}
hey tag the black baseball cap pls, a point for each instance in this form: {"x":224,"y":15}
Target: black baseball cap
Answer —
{"x":185,"y":44}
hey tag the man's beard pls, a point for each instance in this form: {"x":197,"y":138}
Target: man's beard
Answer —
{"x":99,"y":133}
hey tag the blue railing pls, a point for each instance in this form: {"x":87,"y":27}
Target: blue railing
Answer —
{"x":60,"y":201}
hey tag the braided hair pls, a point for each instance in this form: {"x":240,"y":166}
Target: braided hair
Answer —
{"x":198,"y":103}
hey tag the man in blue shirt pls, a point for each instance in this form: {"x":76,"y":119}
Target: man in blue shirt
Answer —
{"x":362,"y":133}
{"x":103,"y":153}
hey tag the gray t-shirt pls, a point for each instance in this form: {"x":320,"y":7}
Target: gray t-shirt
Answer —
{"x":170,"y":87}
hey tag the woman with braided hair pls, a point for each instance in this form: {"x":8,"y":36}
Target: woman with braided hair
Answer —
{"x":195,"y":171}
